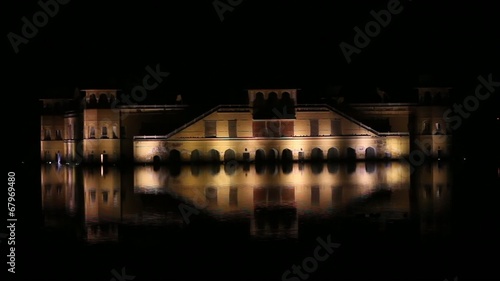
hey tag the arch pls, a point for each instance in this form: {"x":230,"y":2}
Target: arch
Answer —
{"x":332,"y":154}
{"x":229,"y":155}
{"x":174,"y":156}
{"x":260,"y":155}
{"x":351,"y":154}
{"x":214,"y":155}
{"x":287,"y":104}
{"x":195,"y":156}
{"x":271,"y":103}
{"x":287,"y":155}
{"x":259,"y":99}
{"x":92,"y":101}
{"x":103,"y":100}
{"x":272,"y":97}
{"x":258,"y":105}
{"x":156,"y":160}
{"x":272,"y":155}
{"x":370,"y":153}
{"x":317,"y":154}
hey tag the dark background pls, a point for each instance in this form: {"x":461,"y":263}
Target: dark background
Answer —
{"x":282,"y":44}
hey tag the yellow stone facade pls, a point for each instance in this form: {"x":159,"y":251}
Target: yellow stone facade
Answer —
{"x":271,"y":126}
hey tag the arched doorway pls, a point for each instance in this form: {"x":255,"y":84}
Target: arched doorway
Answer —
{"x":351,"y":154}
{"x":332,"y":154}
{"x":174,"y":156}
{"x":103,"y":101}
{"x":370,"y":153}
{"x":259,"y":105}
{"x":156,"y":160}
{"x":195,"y":156}
{"x":272,"y":101}
{"x":214,"y":155}
{"x":260,"y":155}
{"x":287,"y":155}
{"x":286,"y":104}
{"x":273,"y":155}
{"x":317,"y":154}
{"x":229,"y":155}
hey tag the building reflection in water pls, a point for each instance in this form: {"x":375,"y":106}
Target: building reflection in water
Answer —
{"x":270,"y":200}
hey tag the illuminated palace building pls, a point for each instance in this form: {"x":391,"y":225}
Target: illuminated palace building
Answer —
{"x":271,"y":126}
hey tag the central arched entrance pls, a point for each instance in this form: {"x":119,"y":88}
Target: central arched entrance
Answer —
{"x":287,"y":155}
{"x":260,"y":156}
{"x":174,"y":156}
{"x":272,"y":155}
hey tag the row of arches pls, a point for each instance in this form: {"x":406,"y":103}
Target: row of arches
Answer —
{"x":271,"y":155}
{"x":103,"y":101}
{"x":267,"y":108}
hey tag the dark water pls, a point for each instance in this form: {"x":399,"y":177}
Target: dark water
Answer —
{"x":387,"y":221}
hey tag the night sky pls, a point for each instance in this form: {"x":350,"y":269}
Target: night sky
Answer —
{"x":278,"y":44}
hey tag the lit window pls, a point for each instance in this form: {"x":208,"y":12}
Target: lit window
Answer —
{"x":104,"y":132}
{"x":91,"y":133}
{"x":210,"y":128}
{"x":92,"y":196}
{"x":115,"y":132}
{"x":47,"y":134}
{"x":438,"y":128}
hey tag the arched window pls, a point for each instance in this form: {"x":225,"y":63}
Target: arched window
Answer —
{"x":91,"y":132}
{"x":104,"y":132}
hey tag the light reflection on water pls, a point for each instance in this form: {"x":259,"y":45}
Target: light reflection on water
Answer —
{"x":271,"y":201}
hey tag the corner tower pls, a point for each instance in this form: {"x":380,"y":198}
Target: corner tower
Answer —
{"x":101,"y":126}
